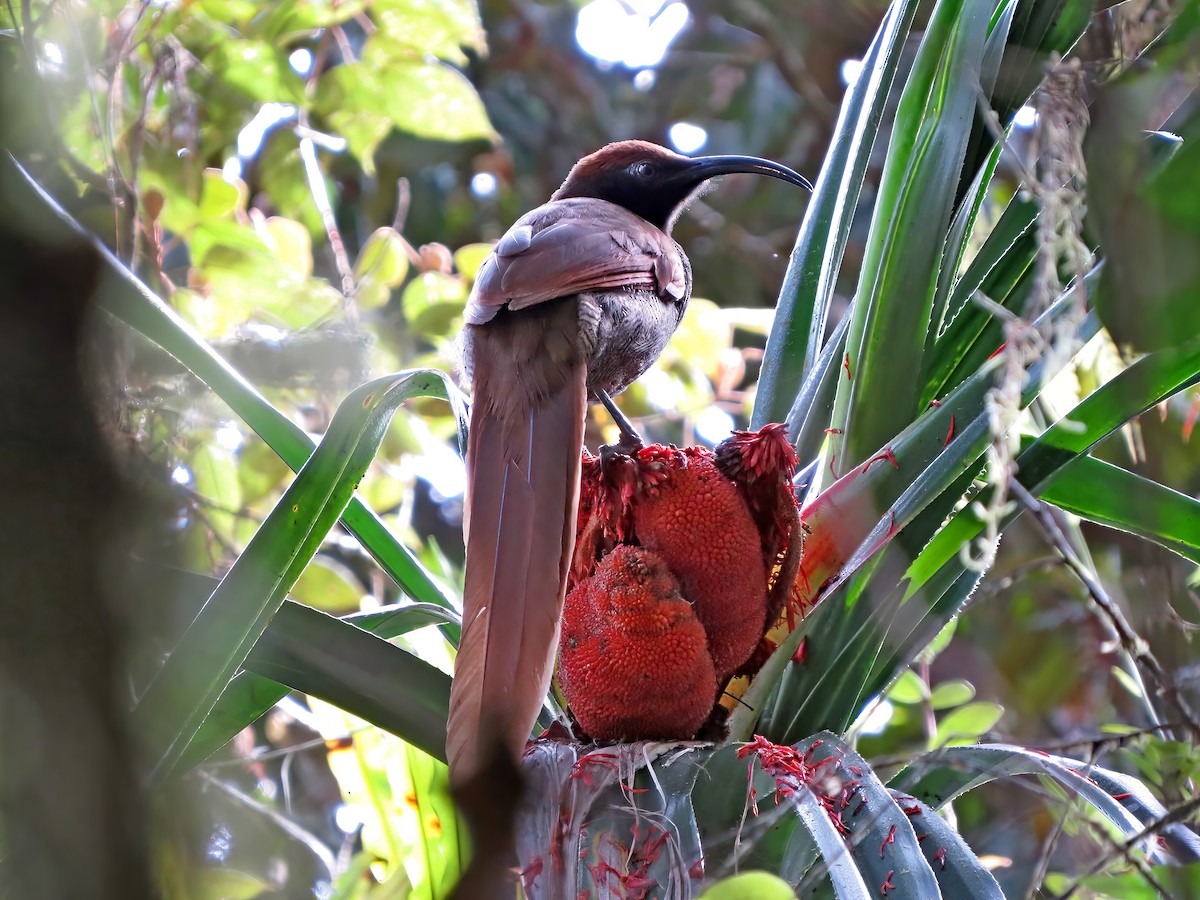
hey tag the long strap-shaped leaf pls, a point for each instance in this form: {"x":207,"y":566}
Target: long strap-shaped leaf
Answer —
{"x":1109,"y":495}
{"x":941,"y":775}
{"x":863,"y":640}
{"x":123,"y":295}
{"x":348,"y":663}
{"x":1150,"y":380}
{"x":917,"y":193}
{"x":223,"y":633}
{"x":812,"y":273}
{"x":341,"y":661}
{"x":866,"y":509}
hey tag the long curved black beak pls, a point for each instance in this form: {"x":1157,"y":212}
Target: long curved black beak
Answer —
{"x":703,"y":168}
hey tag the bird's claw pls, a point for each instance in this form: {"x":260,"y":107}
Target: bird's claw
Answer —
{"x":629,"y":444}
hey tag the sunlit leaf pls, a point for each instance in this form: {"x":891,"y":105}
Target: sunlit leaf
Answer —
{"x":426,"y":99}
{"x":968,"y":722}
{"x":469,"y":257}
{"x":909,"y":688}
{"x":291,"y":243}
{"x":221,"y":197}
{"x":433,"y":304}
{"x":381,"y":265}
{"x":257,"y":69}
{"x":949,"y":694}
{"x":175,"y":704}
{"x":327,"y":585}
{"x":438,"y":27}
{"x":215,"y":474}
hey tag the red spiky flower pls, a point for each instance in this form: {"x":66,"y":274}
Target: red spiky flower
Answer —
{"x":681,"y":564}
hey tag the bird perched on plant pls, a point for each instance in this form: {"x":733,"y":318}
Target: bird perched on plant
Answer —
{"x":577,"y":300}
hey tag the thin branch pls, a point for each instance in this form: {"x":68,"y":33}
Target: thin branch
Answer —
{"x":1170,"y":817}
{"x":1130,"y":642}
{"x":1042,"y":865}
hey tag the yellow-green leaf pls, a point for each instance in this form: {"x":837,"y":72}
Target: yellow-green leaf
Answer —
{"x":967,"y":723}
{"x":221,"y":197}
{"x":469,"y":257}
{"x":949,"y":694}
{"x":291,"y":243}
{"x":437,"y":27}
{"x":381,"y":265}
{"x":328,"y":585}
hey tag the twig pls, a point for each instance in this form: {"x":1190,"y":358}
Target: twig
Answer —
{"x":1170,"y":817}
{"x":1137,"y":860}
{"x":305,"y":837}
{"x":1042,"y":865}
{"x":1131,"y":643}
{"x":320,"y":196}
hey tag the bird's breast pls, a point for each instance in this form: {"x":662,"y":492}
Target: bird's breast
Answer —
{"x":623,"y":332}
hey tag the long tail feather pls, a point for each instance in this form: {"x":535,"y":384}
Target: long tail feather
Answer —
{"x":523,"y":467}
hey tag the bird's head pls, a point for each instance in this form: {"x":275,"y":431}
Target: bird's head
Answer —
{"x":657,"y":183}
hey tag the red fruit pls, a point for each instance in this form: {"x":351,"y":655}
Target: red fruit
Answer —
{"x":633,"y":659}
{"x":694,"y":519}
{"x":762,"y":464}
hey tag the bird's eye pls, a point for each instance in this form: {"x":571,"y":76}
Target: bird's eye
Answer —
{"x":642,"y":169}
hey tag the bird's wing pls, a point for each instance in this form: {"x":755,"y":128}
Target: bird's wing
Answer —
{"x":571,"y":246}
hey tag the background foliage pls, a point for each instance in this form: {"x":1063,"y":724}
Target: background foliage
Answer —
{"x":311,"y":186}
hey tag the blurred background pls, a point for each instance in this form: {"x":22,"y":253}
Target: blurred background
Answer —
{"x":312,"y":185}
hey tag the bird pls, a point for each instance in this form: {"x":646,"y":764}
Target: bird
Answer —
{"x":576,"y":301}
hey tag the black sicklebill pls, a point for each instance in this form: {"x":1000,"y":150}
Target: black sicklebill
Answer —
{"x":577,"y":300}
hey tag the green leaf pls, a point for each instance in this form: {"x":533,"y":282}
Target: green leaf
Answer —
{"x":1150,"y":292}
{"x":437,"y":27}
{"x":1181,"y":881}
{"x":909,"y":688}
{"x":893,"y":303}
{"x":425,"y":98}
{"x":381,"y":265}
{"x":894,"y":503}
{"x":968,"y":723}
{"x":433,"y":304}
{"x":285,"y":20}
{"x":949,"y":694}
{"x":469,"y":257}
{"x":886,"y":846}
{"x":225,"y":884}
{"x":443,"y":835}
{"x":215,"y":475}
{"x":959,"y":871}
{"x":328,"y":585}
{"x":972,"y":334}
{"x":291,"y":244}
{"x":1150,"y":380}
{"x":351,"y":98}
{"x":217,"y":642}
{"x":812,"y":273}
{"x":221,"y":198}
{"x":334,"y":660}
{"x":808,"y":419}
{"x":125,"y":297}
{"x":1127,"y":681}
{"x":432,"y":100}
{"x":1109,"y":495}
{"x":256,"y":69}
{"x":941,"y":775}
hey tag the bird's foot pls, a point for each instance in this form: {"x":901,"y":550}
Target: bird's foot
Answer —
{"x":630,"y":441}
{"x":626,"y":447}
